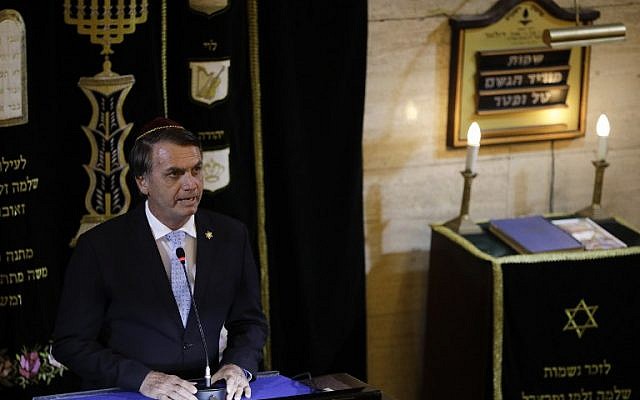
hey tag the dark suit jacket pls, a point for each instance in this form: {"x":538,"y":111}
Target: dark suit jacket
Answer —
{"x":118,"y":320}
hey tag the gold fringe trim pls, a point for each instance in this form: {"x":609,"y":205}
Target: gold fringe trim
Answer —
{"x":498,"y":334}
{"x":568,"y":256}
{"x":535,"y":258}
{"x":254,"y":70}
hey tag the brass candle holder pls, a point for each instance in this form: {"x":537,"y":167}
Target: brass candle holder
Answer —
{"x":463,"y":224}
{"x":595,"y":211}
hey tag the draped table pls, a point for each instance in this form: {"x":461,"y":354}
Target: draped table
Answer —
{"x":546,"y":326}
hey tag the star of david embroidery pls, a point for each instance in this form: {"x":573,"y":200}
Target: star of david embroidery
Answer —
{"x":581,"y":323}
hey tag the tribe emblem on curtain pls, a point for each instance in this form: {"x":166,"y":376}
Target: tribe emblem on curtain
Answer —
{"x":208,"y":7}
{"x":209,"y":81}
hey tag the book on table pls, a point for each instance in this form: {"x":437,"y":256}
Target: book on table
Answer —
{"x":589,"y":233}
{"x":533,"y":234}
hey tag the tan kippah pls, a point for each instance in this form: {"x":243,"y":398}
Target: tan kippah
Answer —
{"x":157,"y":124}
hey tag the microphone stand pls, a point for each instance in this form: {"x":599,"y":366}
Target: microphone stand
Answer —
{"x":206,"y":393}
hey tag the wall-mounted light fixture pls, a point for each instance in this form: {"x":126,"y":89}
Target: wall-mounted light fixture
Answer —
{"x":583,"y":35}
{"x":586,"y":35}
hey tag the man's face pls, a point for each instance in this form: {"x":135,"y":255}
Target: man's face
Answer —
{"x":174,"y":185}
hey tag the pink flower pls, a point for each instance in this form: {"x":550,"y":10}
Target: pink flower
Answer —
{"x":29,"y":365}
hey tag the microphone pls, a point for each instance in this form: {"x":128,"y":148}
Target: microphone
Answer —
{"x":207,"y":393}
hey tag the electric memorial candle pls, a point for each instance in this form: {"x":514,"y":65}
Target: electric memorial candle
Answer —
{"x":602,"y":130}
{"x":473,"y":146}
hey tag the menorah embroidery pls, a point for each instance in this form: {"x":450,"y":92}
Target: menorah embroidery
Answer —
{"x":106,"y":23}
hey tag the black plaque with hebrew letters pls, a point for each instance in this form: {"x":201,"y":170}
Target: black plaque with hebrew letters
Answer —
{"x":509,"y":100}
{"x":522,"y":79}
{"x":522,"y":59}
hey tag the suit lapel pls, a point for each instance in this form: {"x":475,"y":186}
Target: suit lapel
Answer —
{"x":150,"y":264}
{"x":206,"y":250}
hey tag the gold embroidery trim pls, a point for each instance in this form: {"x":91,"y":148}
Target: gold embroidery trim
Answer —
{"x":254,"y":70}
{"x":163,"y":55}
{"x":498,"y":324}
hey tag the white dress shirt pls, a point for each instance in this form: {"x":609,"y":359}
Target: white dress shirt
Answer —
{"x":159,"y":231}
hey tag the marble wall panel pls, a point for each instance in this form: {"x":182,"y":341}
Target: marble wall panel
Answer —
{"x":405,"y":9}
{"x":529,"y":184}
{"x":407,"y":109}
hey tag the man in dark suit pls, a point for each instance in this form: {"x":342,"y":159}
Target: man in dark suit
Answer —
{"x":125,"y":318}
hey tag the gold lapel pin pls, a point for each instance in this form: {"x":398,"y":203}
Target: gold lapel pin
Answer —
{"x":208,"y":234}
